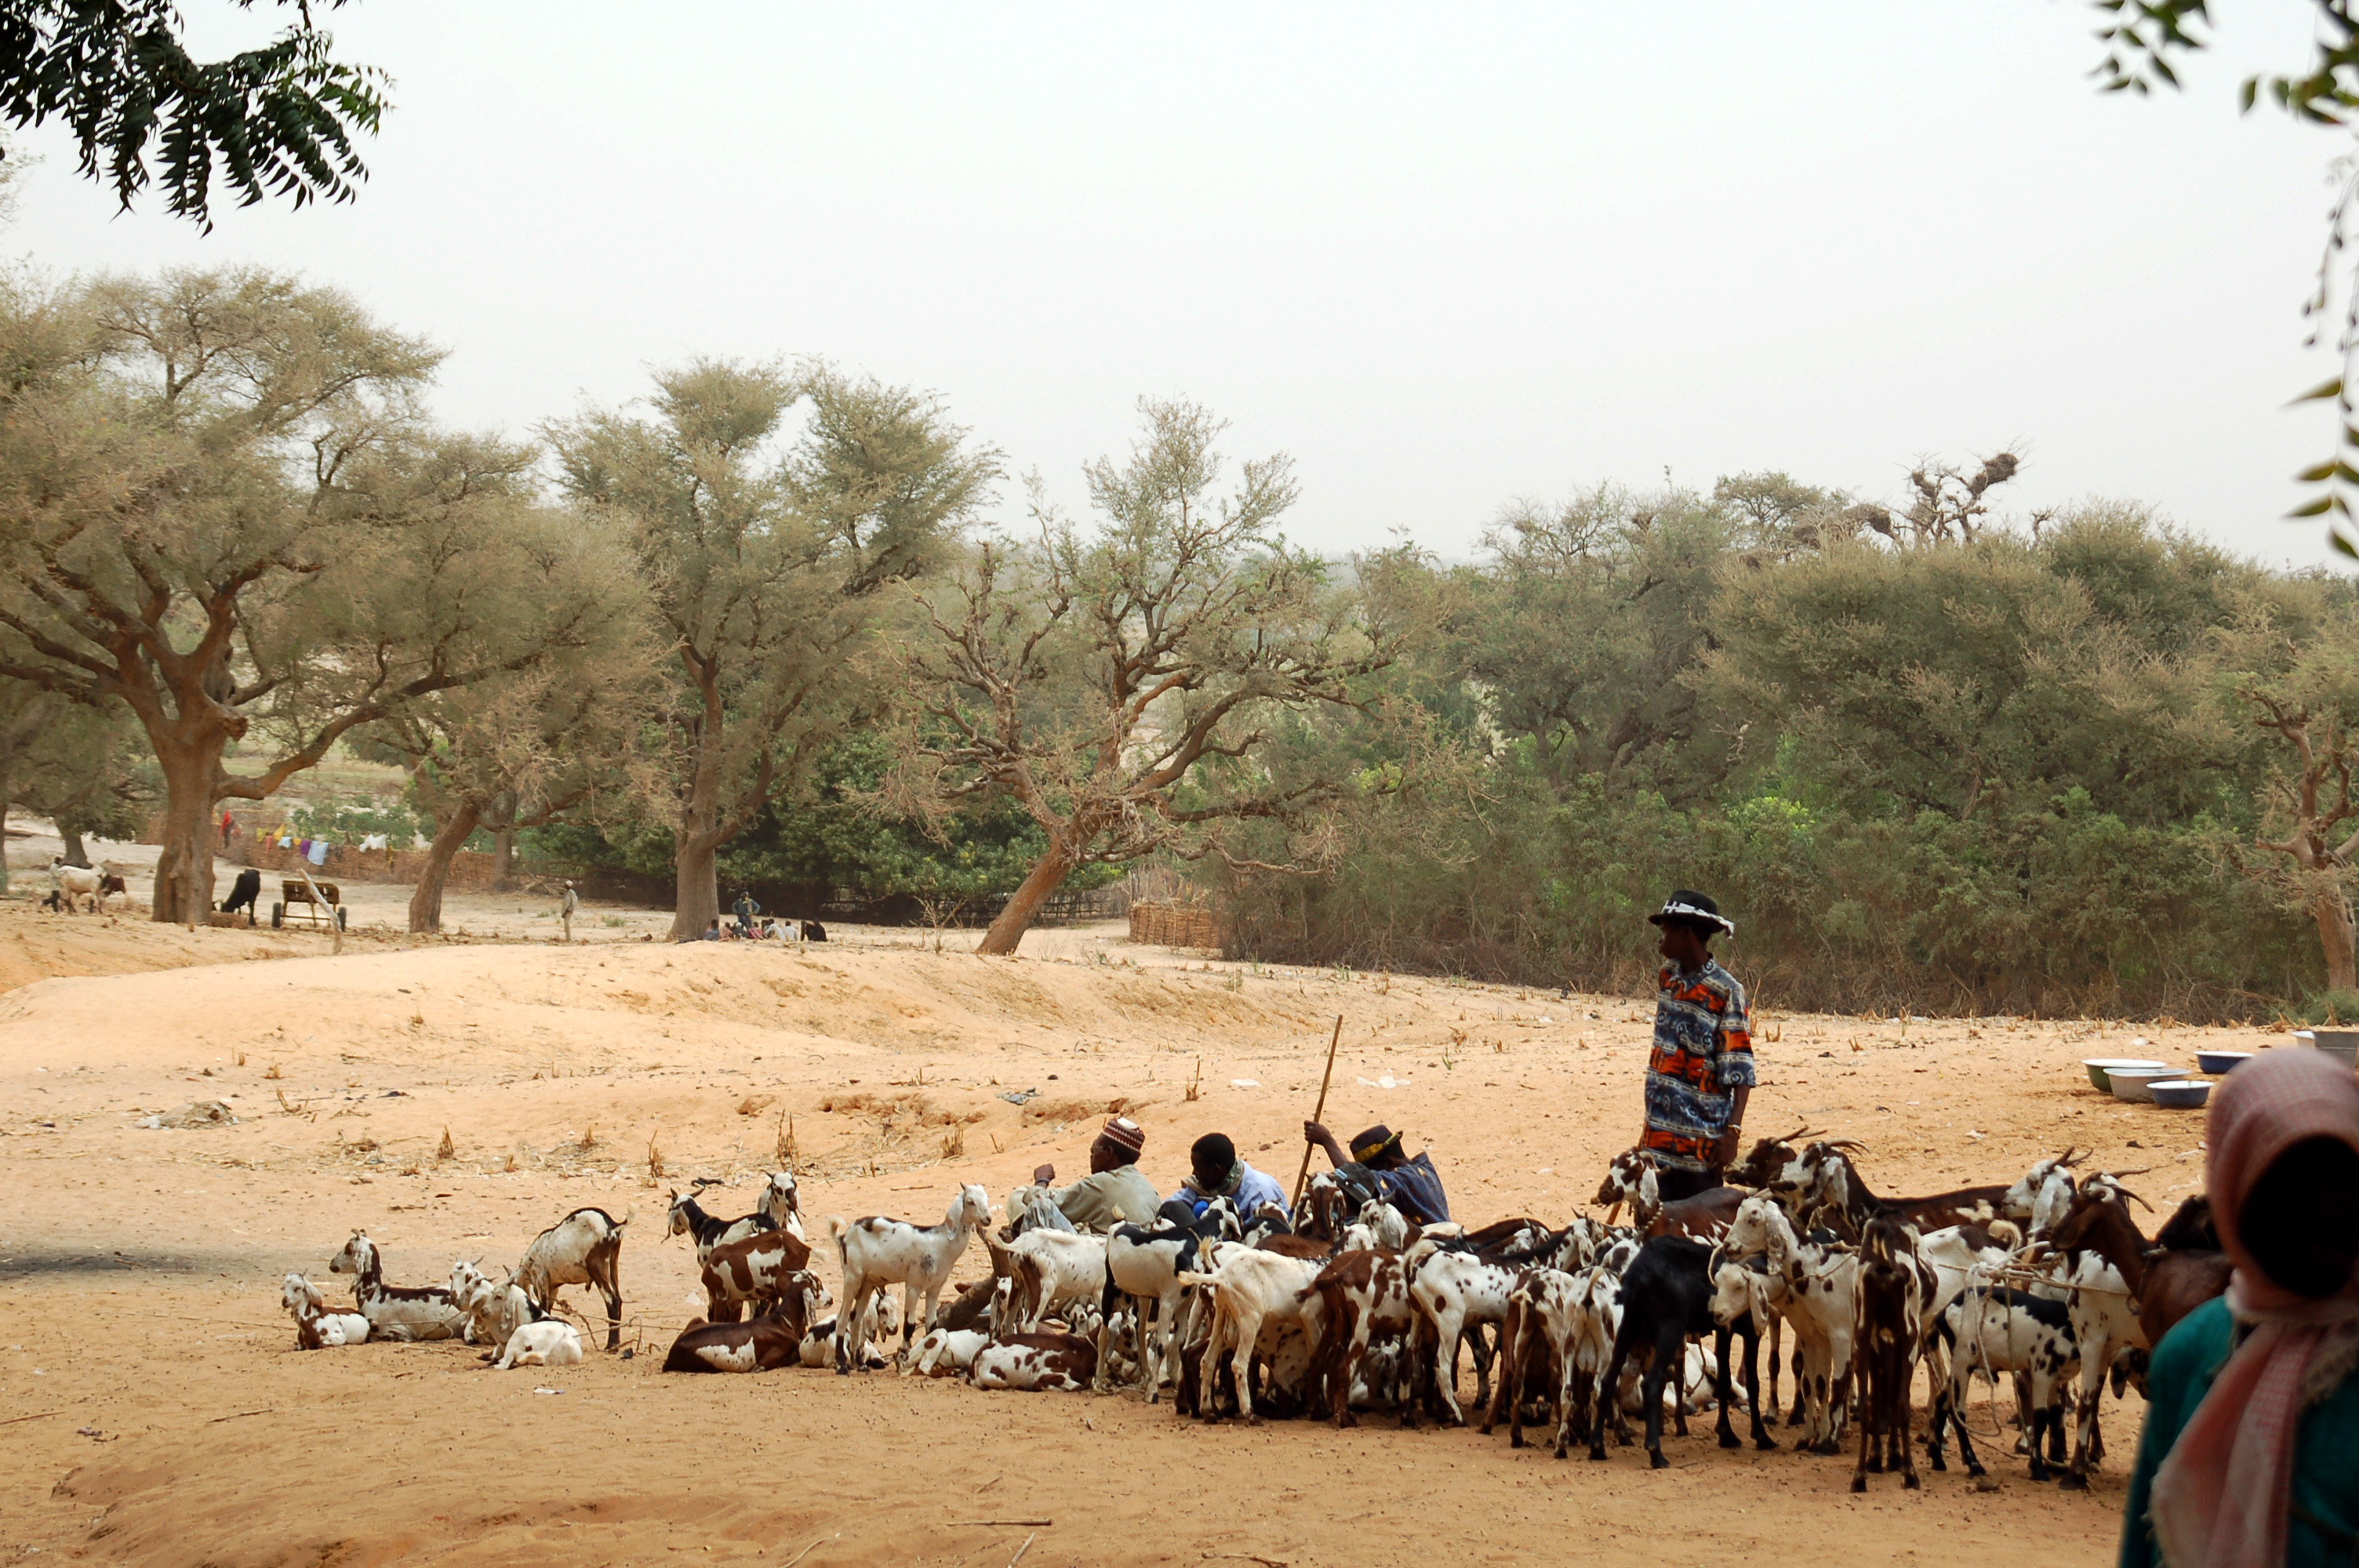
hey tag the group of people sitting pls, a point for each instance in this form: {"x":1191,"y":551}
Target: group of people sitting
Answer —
{"x":750,"y":925}
{"x":1117,"y":1192}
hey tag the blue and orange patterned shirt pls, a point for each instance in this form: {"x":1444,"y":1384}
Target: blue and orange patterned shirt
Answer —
{"x":1703,"y":1053}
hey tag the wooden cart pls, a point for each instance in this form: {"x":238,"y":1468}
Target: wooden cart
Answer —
{"x":313,"y":912}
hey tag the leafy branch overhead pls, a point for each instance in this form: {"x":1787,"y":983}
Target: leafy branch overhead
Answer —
{"x":277,"y":119}
{"x":2141,"y":37}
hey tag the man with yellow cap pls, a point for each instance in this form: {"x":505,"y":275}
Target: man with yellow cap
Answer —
{"x":1410,"y":1184}
{"x":1114,"y":1192}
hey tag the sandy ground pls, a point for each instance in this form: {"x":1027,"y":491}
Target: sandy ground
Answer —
{"x":161,"y":1415}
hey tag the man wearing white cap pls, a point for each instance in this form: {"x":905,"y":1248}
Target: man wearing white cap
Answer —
{"x":1114,"y":1192}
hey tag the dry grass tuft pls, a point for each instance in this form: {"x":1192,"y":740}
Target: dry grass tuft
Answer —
{"x":274,"y":1071}
{"x":655,"y":1160}
{"x":449,"y":1151}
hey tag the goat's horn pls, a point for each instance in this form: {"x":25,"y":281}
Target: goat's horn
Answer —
{"x":1846,"y":1144}
{"x":2068,"y":1156}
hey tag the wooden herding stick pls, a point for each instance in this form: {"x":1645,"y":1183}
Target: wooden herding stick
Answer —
{"x":1303,"y":1178}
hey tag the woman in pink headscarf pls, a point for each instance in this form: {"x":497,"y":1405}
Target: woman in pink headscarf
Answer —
{"x":2250,"y":1458}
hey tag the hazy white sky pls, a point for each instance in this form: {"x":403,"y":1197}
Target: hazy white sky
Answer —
{"x":1443,"y":255}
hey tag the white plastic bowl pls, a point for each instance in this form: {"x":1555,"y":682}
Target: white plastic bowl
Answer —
{"x":2130,"y":1083}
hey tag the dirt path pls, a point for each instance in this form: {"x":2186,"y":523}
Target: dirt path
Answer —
{"x":139,"y":1266}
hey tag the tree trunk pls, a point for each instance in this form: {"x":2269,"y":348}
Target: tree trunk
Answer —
{"x":1024,"y":902}
{"x":503,"y":844}
{"x":449,"y":838}
{"x":184,"y":870}
{"x":696,"y":901}
{"x":2331,"y":910}
{"x":75,"y":852}
{"x":3,"y":846}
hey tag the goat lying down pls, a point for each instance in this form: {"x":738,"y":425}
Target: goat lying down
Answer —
{"x":550,"y":1342}
{"x":775,"y":1338}
{"x":317,"y":1328}
{"x":425,"y":1311}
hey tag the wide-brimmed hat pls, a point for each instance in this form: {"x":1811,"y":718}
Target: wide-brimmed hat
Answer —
{"x":1373,"y":1141}
{"x":1694,"y":909}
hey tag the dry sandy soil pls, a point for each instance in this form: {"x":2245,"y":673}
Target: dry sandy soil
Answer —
{"x":161,"y":1414}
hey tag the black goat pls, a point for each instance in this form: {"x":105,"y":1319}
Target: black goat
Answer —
{"x":244,"y":893}
{"x":1667,"y":1299}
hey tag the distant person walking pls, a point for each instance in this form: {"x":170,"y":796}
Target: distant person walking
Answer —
{"x":2252,"y":1424}
{"x":229,"y":826}
{"x":565,"y":908}
{"x":745,"y":909}
{"x":1701,"y":1071}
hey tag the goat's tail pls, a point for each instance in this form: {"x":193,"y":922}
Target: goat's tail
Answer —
{"x":629,"y":1214}
{"x":1189,"y":1278}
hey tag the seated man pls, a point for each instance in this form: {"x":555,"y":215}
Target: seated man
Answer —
{"x":1217,"y":1172}
{"x":1410,"y":1186}
{"x":1114,"y":1192}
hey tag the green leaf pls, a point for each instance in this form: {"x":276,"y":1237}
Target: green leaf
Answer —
{"x":2342,"y":544}
{"x":2318,"y":508}
{"x":2317,"y":473}
{"x":2324,"y":389}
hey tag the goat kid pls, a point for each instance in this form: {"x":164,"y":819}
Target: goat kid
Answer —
{"x":547,"y":1342}
{"x":317,"y":1328}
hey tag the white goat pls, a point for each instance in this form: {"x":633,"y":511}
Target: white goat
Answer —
{"x":548,"y":1342}
{"x":1072,"y":1267}
{"x":1254,"y":1290}
{"x":395,"y":1313}
{"x":585,"y":1247}
{"x":876,"y":1252}
{"x":781,"y":1205}
{"x":494,"y":1309}
{"x":1456,"y":1291}
{"x":75,"y":883}
{"x":1813,"y":1288}
{"x":316,"y":1328}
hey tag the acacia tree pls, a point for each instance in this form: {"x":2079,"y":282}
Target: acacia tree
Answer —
{"x":768,"y":569}
{"x":221,"y":507}
{"x":2310,"y":702}
{"x":1120,"y":686}
{"x":556,"y":736}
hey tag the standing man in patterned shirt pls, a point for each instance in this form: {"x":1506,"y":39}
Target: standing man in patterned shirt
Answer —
{"x":1700,"y":1073}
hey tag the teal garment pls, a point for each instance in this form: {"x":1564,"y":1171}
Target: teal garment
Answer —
{"x":2324,"y":1527}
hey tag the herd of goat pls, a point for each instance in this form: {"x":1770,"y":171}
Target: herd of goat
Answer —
{"x":2046,"y":1284}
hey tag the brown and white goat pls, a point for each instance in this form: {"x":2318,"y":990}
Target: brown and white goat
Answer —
{"x":769,"y":1341}
{"x":317,"y":1328}
{"x":1033,"y":1363}
{"x":1359,"y":1293}
{"x":754,"y":1271}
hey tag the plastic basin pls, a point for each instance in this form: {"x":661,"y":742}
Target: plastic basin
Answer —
{"x":2178,"y":1094}
{"x":2222,"y":1061}
{"x":2099,"y":1068}
{"x":2130,"y":1083}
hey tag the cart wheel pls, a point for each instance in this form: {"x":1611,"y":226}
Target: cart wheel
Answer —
{"x":278,"y":915}
{"x":339,"y":917}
